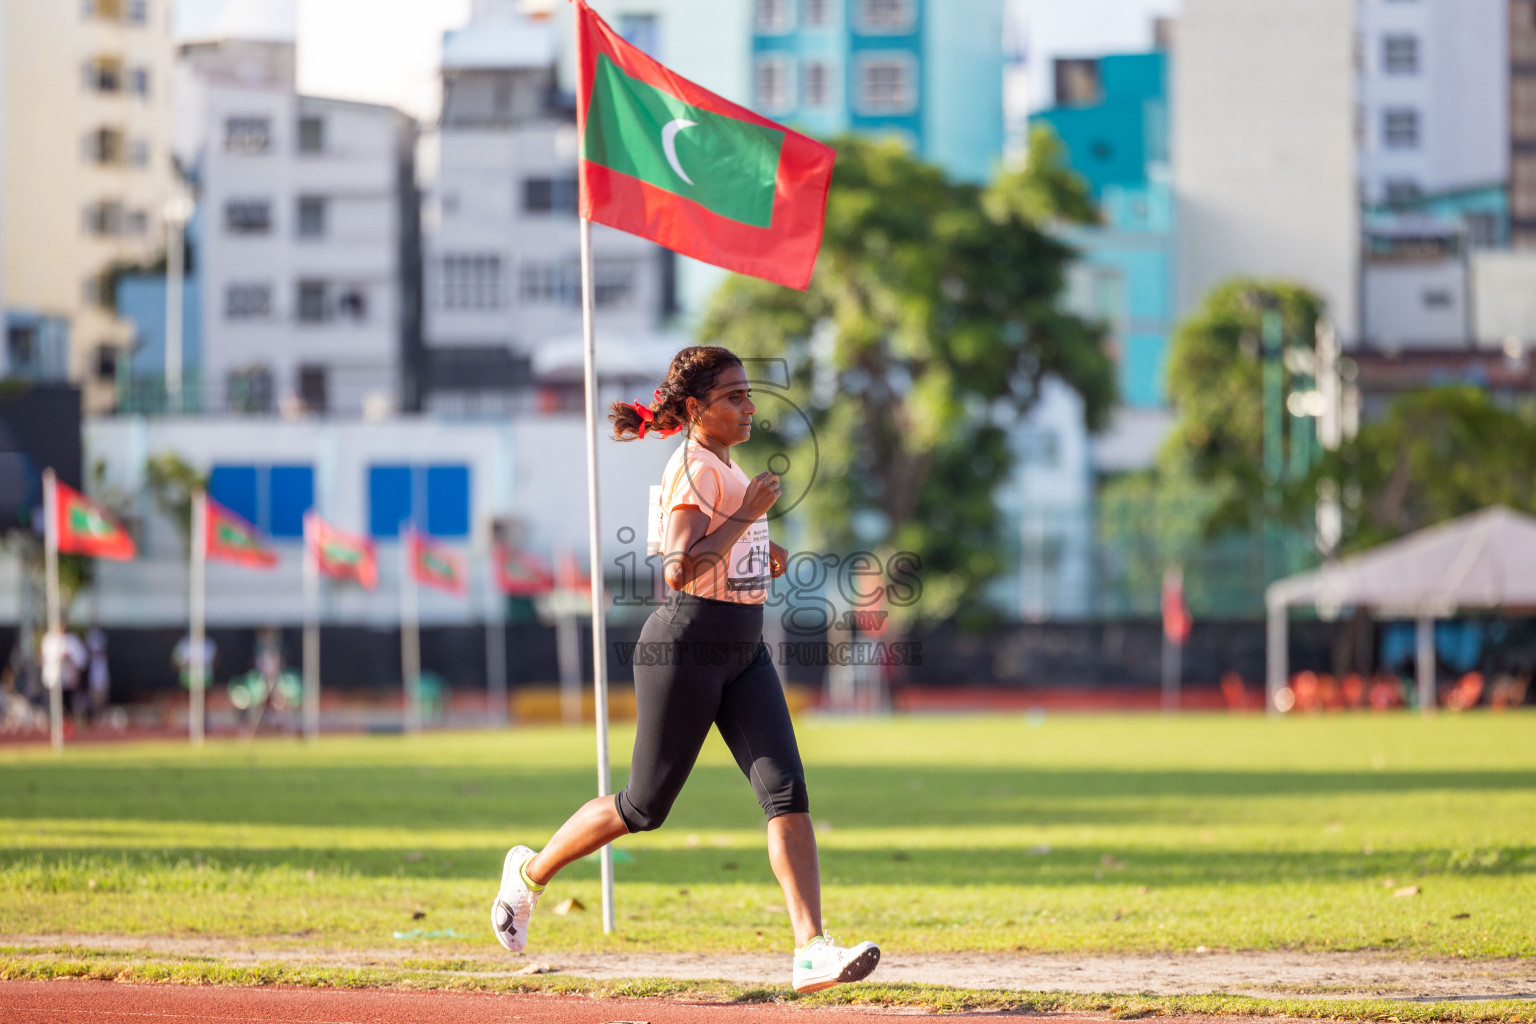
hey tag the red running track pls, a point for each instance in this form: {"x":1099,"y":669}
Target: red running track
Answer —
{"x":106,"y":1002}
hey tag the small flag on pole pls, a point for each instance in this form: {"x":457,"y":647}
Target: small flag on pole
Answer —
{"x":341,"y":555}
{"x":436,"y":565}
{"x":229,"y":538}
{"x":669,"y":161}
{"x":85,"y":528}
{"x":520,"y":574}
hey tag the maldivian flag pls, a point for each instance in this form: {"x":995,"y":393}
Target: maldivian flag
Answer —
{"x":229,"y":538}
{"x":435,"y":565}
{"x":341,"y":555}
{"x":85,"y":528}
{"x":669,"y":161}
{"x":519,"y":573}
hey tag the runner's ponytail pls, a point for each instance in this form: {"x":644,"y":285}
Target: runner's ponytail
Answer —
{"x":691,"y":375}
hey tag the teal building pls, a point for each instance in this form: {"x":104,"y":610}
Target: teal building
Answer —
{"x":925,"y":72}
{"x":1111,"y":114}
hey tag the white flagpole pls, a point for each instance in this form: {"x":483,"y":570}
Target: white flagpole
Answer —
{"x":410,"y":634}
{"x":599,"y":628}
{"x":53,"y":644}
{"x":496,"y":650}
{"x":311,"y":633}
{"x":195,"y":662}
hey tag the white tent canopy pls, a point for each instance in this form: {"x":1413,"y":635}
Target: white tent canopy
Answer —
{"x":1486,"y":559}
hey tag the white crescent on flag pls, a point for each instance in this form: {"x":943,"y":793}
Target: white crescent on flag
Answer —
{"x":669,"y":144}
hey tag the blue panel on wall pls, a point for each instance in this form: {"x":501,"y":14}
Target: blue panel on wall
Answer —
{"x":1142,"y":371}
{"x":448,"y":501}
{"x":293,"y":494}
{"x":389,"y":499}
{"x":235,"y":488}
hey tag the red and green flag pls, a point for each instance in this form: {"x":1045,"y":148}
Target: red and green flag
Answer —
{"x":85,"y":528}
{"x":341,"y":555}
{"x":669,"y":161}
{"x":520,"y":574}
{"x":435,"y":565}
{"x":229,"y":538}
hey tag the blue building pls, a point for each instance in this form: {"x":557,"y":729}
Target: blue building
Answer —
{"x":1111,"y":113}
{"x":927,"y":73}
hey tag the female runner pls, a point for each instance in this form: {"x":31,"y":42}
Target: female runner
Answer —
{"x":715,"y":669}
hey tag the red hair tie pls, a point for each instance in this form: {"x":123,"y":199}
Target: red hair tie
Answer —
{"x":647,"y":418}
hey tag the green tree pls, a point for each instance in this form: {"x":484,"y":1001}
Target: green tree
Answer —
{"x":1216,"y":388}
{"x":1435,"y":455}
{"x":933,"y":318}
{"x":172,"y":482}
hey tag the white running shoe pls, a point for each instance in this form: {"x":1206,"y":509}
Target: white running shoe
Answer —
{"x":824,"y":963}
{"x":515,"y":902}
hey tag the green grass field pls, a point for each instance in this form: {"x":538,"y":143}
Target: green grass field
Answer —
{"x":1092,"y":834}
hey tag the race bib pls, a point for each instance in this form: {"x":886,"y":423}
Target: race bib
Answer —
{"x":748,"y":568}
{"x":655,"y":523}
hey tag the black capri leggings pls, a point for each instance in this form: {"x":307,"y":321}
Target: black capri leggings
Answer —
{"x":699,"y":662}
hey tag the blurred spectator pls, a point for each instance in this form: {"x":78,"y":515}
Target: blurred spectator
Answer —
{"x":181,"y":658}
{"x":1328,"y":695}
{"x":72,"y":677}
{"x":1352,"y":689}
{"x":1304,"y":686}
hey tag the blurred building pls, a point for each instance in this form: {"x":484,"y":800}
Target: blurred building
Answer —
{"x":1522,"y":135}
{"x":925,"y":72}
{"x":308,"y":262}
{"x":503,"y":278}
{"x":87,"y":121}
{"x":1264,"y":149}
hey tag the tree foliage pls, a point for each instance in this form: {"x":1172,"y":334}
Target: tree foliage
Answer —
{"x":171,"y":482}
{"x":932,"y":319}
{"x":1215,"y":385}
{"x":1435,"y":455}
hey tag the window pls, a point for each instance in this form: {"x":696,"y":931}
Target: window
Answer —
{"x":104,"y":74}
{"x":106,"y":361}
{"x":885,"y":16}
{"x":775,"y":15}
{"x":312,"y":388}
{"x":886,"y":84}
{"x":1078,"y":83}
{"x":311,"y":216}
{"x":273,"y":498}
{"x":1040,"y":448}
{"x":817,"y":13}
{"x":1438,"y":298}
{"x":642,"y":31}
{"x":1400,"y":128}
{"x":1401,"y":191}
{"x":138,"y":153}
{"x":549,"y":195}
{"x":137,"y":12}
{"x":352,"y":304}
{"x":771,"y":85}
{"x":247,"y":134}
{"x":1483,"y":230}
{"x":138,"y":81}
{"x":435,"y":498}
{"x":549,"y":283}
{"x":311,"y":135}
{"x":247,"y":301}
{"x":104,"y":218}
{"x":105,"y":146}
{"x":818,"y":83}
{"x":1400,"y":54}
{"x":471,"y":282}
{"x":312,"y":305}
{"x":250,"y":390}
{"x":613,"y":282}
{"x":248,"y":216}
{"x":136,"y":222}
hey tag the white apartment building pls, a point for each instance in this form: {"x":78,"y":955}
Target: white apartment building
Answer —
{"x":87,"y":118}
{"x":503,"y":311}
{"x":1264,"y":154}
{"x":1433,"y":96}
{"x":308,"y":266}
